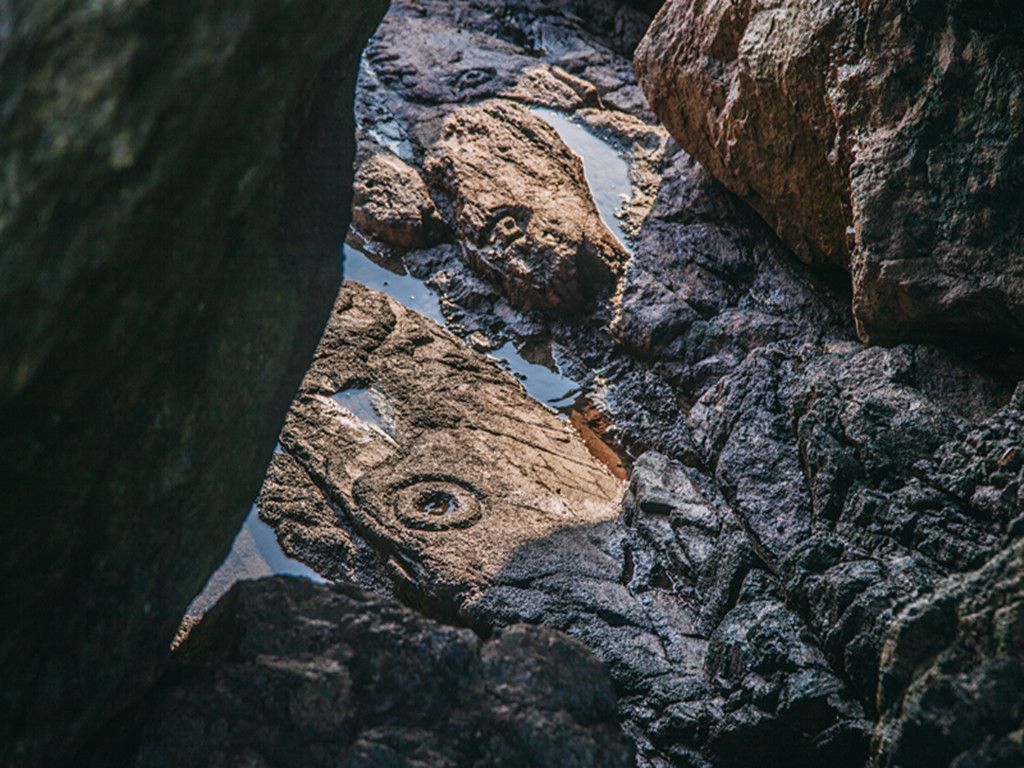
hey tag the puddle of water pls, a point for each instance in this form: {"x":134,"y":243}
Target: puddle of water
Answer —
{"x":362,"y":403}
{"x":543,"y":384}
{"x":551,"y":387}
{"x":404,"y":288}
{"x":606,"y":170}
{"x":277,"y":561}
{"x":254,"y":554}
{"x":438,"y":504}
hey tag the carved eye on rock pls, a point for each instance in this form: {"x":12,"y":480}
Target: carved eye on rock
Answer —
{"x":436,"y":504}
{"x":507,"y":230}
{"x":472,"y":78}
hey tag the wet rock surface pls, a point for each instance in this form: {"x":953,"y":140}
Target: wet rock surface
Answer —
{"x":883,"y":138}
{"x":285,"y":672}
{"x":791,"y":493}
{"x":174,"y":187}
{"x":523,"y":212}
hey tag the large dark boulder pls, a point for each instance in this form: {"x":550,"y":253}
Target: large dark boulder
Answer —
{"x":284,"y":672}
{"x":884,"y":138}
{"x":176,"y":181}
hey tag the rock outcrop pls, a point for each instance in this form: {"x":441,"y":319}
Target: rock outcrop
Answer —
{"x":392,"y":205}
{"x":456,"y":109}
{"x":952,"y":677}
{"x":523,"y":212}
{"x":429,"y":451}
{"x":175,"y":187}
{"x":791,"y":492}
{"x":284,"y":672}
{"x":883,"y":138}
{"x":418,"y":469}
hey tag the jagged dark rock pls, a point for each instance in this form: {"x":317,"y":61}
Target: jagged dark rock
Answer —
{"x":951,"y":687}
{"x":791,"y":493}
{"x":175,"y":186}
{"x":884,"y":138}
{"x":284,"y":672}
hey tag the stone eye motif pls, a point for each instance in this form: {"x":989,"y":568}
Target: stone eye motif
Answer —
{"x":472,"y":78}
{"x":436,"y":504}
{"x":507,"y":230}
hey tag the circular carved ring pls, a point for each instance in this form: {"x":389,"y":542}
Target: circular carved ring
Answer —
{"x":430,"y":503}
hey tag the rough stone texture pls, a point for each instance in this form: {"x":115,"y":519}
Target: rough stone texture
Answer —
{"x":526,"y":526}
{"x":951,"y":687}
{"x":884,"y":138}
{"x":391,"y":203}
{"x":510,"y":192}
{"x":387,"y":468}
{"x":790,"y":491}
{"x":175,"y":186}
{"x":284,"y":672}
{"x":523,"y":212}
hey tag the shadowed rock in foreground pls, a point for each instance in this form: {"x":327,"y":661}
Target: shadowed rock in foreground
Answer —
{"x":283,"y":672}
{"x":175,"y":184}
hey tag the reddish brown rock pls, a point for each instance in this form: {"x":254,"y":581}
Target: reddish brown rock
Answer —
{"x":523,"y":211}
{"x":391,"y":203}
{"x":873,"y":137}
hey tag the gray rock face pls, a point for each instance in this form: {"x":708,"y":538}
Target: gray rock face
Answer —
{"x":952,"y":679}
{"x":284,"y":672}
{"x":791,"y":492}
{"x":880,"y":137}
{"x":175,"y":187}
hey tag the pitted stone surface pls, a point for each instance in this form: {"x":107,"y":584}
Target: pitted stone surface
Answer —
{"x":285,"y":673}
{"x":461,"y":425}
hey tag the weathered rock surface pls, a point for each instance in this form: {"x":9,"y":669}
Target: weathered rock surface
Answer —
{"x":175,"y":185}
{"x":284,"y":672}
{"x":727,"y":623}
{"x":884,"y":138}
{"x":416,"y":467}
{"x":391,"y":203}
{"x":455,"y":107}
{"x":952,"y":679}
{"x":523,"y":212}
{"x":802,"y":490}
{"x":427,"y":447}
